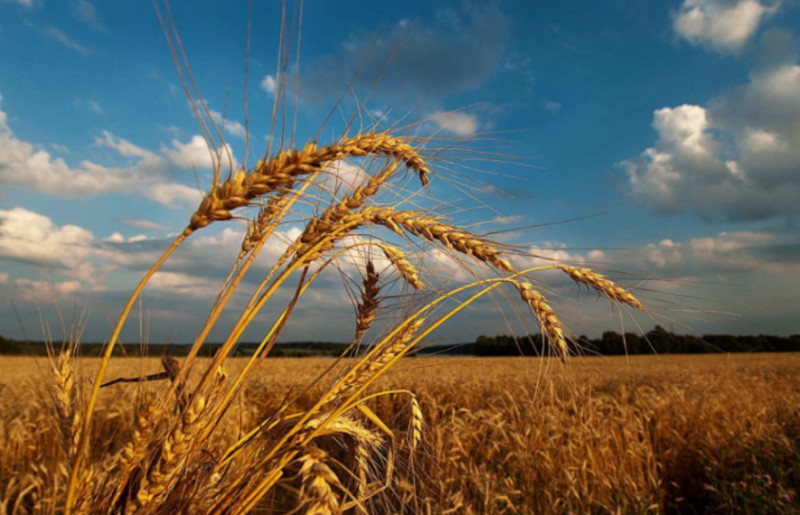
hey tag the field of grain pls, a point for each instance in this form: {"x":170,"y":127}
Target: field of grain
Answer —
{"x":670,"y":434}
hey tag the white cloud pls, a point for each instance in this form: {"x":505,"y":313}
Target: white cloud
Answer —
{"x":231,"y":126}
{"x":58,"y":148}
{"x":30,"y":290}
{"x":196,"y":154}
{"x":176,"y":283}
{"x":458,"y":123}
{"x":94,"y":106}
{"x":119,"y":238}
{"x":722,"y":25}
{"x":342,"y":176}
{"x":552,"y":106}
{"x":268,"y":84}
{"x":30,"y":237}
{"x":174,"y":194}
{"x":28,"y":166}
{"x":735,"y":159}
{"x":142,"y":224}
{"x":65,"y":40}
{"x":115,"y":238}
{"x":84,"y":11}
{"x":124,"y":147}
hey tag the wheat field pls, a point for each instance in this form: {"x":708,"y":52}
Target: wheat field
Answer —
{"x":654,"y":434}
{"x":379,"y":431}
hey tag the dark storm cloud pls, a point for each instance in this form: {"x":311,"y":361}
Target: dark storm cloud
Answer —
{"x":457,"y":51}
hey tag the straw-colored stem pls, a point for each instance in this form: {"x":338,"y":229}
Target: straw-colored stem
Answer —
{"x":87,"y":418}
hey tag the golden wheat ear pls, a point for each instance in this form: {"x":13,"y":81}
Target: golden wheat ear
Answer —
{"x":318,"y":481}
{"x":602,"y":285}
{"x":552,"y":327}
{"x":369,"y":302}
{"x":402,"y":265}
{"x":283,"y":170}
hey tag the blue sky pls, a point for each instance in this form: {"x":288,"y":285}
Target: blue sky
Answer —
{"x":677,"y":122}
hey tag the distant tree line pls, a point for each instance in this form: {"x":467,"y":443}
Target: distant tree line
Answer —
{"x":610,"y":343}
{"x":658,"y":340}
{"x":12,"y":347}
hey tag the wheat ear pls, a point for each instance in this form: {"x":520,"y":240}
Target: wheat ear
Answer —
{"x":288,"y":166}
{"x":601,"y":284}
{"x":135,"y":450}
{"x":66,"y":402}
{"x":368,"y":370}
{"x":416,"y":422}
{"x":402,"y":265}
{"x":362,"y":463}
{"x":176,"y":447}
{"x":432,"y":229}
{"x":257,"y":229}
{"x":551,"y":325}
{"x":343,"y":212}
{"x":318,"y":478}
{"x":369,"y":302}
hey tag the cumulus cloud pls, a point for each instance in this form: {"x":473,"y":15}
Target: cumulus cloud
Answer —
{"x":196,"y":154}
{"x":721,"y":25}
{"x":30,"y":290}
{"x":180,"y":284}
{"x":268,"y":84}
{"x":455,"y":52}
{"x":458,"y":123}
{"x":232,"y":127}
{"x":33,"y":238}
{"x":188,"y":281}
{"x":726,"y":253}
{"x":736,"y":159}
{"x":28,"y":166}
